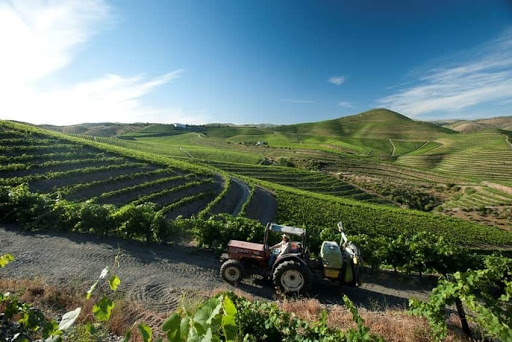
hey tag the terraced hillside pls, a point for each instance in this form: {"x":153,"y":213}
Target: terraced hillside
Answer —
{"x":300,"y":179}
{"x":79,"y":171}
{"x":304,"y":198}
{"x":472,"y":157}
{"x":372,"y":155}
{"x":480,"y":196}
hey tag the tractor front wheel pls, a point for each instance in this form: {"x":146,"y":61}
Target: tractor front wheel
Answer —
{"x":292,"y":277}
{"x":232,"y":271}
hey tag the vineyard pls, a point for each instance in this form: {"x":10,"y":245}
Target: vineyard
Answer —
{"x":304,"y":198}
{"x":79,"y":170}
{"x":472,"y":157}
{"x":320,"y":212}
{"x":480,"y":196}
{"x":300,"y":179}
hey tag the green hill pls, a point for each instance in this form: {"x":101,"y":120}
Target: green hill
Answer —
{"x":367,"y":133}
{"x":104,"y":129}
{"x":375,"y":124}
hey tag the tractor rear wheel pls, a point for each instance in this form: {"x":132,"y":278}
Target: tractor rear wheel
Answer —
{"x":292,"y":277}
{"x":232,"y":271}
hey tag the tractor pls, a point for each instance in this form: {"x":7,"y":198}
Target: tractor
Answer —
{"x":292,"y":272}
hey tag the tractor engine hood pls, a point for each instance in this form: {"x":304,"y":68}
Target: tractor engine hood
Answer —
{"x":246,"y":248}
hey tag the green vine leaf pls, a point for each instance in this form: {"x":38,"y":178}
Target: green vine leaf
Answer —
{"x":103,"y":309}
{"x":114,"y":282}
{"x":145,"y":332}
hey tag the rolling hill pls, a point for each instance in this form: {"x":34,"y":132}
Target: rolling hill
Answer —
{"x":468,"y":126}
{"x":105,"y":129}
{"x":377,"y":123}
{"x":98,"y":171}
{"x":376,"y":155}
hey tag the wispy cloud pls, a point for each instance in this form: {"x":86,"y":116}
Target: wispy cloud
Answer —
{"x":483,"y":76}
{"x":297,"y":101}
{"x":40,"y":38}
{"x":336,"y":80}
{"x":345,"y":104}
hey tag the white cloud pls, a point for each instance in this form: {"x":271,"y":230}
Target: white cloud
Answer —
{"x":111,"y":98}
{"x":336,"y":80}
{"x":345,"y":104}
{"x":40,"y":38}
{"x":484,"y":76}
{"x":297,"y":101}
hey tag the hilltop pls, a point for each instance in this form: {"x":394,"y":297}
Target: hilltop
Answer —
{"x":379,"y":123}
{"x":376,"y":123}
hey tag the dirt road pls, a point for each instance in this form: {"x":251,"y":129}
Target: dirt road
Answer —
{"x":245,"y":194}
{"x":157,"y":276}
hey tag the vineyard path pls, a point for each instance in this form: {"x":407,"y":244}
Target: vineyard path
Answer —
{"x":394,"y":148}
{"x":507,"y":138}
{"x":245,"y":195}
{"x":157,"y":276}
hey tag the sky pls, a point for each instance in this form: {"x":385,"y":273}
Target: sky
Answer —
{"x":265,"y":61}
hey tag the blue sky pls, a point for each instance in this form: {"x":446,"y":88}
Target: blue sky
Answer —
{"x":253,"y":61}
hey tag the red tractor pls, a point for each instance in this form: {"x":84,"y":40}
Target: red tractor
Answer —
{"x":291,"y":272}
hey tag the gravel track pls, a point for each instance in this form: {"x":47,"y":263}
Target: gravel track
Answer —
{"x":245,"y":191}
{"x":158,"y":276}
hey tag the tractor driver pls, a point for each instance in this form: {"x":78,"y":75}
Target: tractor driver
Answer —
{"x":284,"y":246}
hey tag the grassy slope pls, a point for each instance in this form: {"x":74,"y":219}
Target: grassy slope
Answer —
{"x":410,"y":147}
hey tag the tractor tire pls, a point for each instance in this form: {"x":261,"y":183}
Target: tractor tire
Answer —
{"x":292,"y":277}
{"x":232,"y":271}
